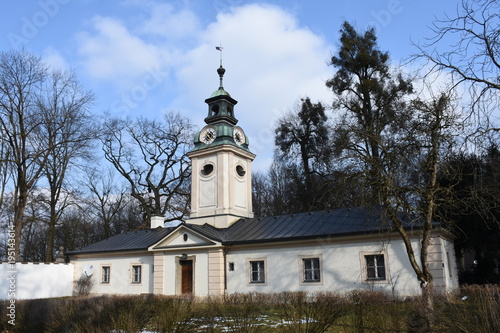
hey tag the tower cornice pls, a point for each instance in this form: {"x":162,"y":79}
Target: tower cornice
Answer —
{"x":222,"y":148}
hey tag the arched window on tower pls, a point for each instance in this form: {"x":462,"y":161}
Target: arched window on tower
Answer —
{"x":215,"y":110}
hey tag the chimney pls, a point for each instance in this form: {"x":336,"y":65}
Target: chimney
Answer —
{"x":157,"y":221}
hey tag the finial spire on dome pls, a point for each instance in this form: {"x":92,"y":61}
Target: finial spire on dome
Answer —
{"x":221,"y":69}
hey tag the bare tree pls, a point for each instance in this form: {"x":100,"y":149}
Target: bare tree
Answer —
{"x":429,"y":138}
{"x":34,"y":233}
{"x":274,"y":191}
{"x":151,"y":156}
{"x":396,"y":145}
{"x":77,"y":228}
{"x":21,"y":78}
{"x":4,"y":167}
{"x":474,"y":56}
{"x":67,"y":133}
{"x":107,"y":198}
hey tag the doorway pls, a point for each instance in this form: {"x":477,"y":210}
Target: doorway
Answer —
{"x":186,"y":276}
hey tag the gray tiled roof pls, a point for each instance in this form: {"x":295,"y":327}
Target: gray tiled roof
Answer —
{"x":310,"y":225}
{"x":136,"y":240}
{"x":318,"y":224}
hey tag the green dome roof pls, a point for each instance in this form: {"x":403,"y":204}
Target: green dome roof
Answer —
{"x":220,"y":92}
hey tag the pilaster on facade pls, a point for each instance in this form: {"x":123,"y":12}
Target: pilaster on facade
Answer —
{"x":216,"y":270}
{"x":435,"y":259}
{"x":158,"y":273}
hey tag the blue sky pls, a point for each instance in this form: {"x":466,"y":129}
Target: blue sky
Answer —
{"x":150,"y":57}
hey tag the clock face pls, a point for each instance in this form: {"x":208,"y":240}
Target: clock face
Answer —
{"x":238,"y":136}
{"x":208,"y":135}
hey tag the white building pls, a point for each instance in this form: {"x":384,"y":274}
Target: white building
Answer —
{"x":222,"y":248}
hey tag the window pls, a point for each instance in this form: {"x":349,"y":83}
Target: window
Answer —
{"x":230,"y":266}
{"x":207,"y":170}
{"x":311,"y":270}
{"x":215,"y":110}
{"x":105,"y":274}
{"x":257,"y":271}
{"x":375,"y":267}
{"x":136,"y":273}
{"x":240,"y":171}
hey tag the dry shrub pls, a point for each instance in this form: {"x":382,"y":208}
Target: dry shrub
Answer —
{"x":242,"y":312}
{"x":209,"y":313}
{"x":478,"y":311}
{"x":84,"y":285}
{"x":131,"y":313}
{"x":82,"y":314}
{"x":31,"y":315}
{"x":171,"y":314}
{"x":63,"y":318}
{"x":300,"y":312}
{"x":373,"y":311}
{"x":58,"y":315}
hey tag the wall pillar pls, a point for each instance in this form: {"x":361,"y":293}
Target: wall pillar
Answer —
{"x":158,"y":274}
{"x":216,"y":272}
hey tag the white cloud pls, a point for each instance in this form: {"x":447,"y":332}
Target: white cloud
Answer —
{"x":54,"y":59}
{"x":170,"y":23}
{"x":270,"y":63}
{"x":112,"y":52}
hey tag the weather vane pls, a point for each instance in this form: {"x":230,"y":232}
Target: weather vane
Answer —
{"x":221,"y":69}
{"x":219,"y":48}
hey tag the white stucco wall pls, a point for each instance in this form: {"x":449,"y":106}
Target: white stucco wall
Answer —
{"x":120,"y":277}
{"x":32,"y":280}
{"x":341,"y":266}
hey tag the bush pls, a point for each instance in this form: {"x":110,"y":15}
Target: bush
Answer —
{"x":172,"y":314}
{"x":32,"y":315}
{"x":300,"y":312}
{"x":241,"y":312}
{"x":478,"y":311}
{"x":84,"y":285}
{"x":374,"y":311}
{"x":82,"y":314}
{"x":131,"y":313}
{"x":290,"y":312}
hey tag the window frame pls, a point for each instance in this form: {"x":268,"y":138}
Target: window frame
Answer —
{"x":133,"y":274}
{"x":250,"y":271}
{"x":364,"y":267}
{"x":103,"y":275}
{"x":319,"y":270}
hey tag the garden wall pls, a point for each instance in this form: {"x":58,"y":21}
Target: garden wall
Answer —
{"x":35,"y":280}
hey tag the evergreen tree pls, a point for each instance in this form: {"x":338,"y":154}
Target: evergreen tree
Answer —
{"x":303,"y":145}
{"x":370,"y":100}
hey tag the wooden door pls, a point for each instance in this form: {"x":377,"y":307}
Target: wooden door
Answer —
{"x":186,"y":276}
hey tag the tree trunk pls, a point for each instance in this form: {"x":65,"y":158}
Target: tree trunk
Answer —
{"x":49,"y":254}
{"x":20,"y":207}
{"x":428,"y":304}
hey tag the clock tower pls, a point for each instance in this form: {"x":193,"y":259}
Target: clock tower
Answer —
{"x":221,"y":184}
